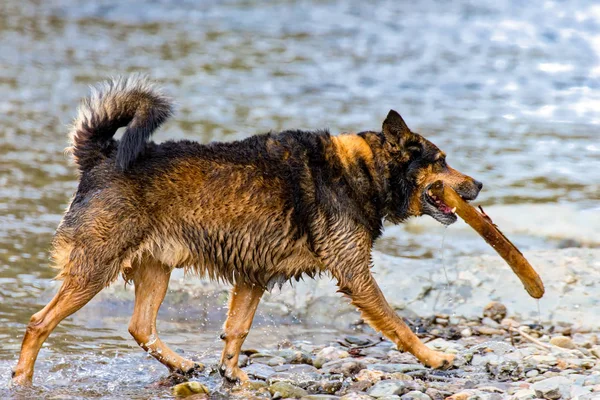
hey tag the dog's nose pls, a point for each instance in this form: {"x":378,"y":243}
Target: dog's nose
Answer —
{"x":478,"y":184}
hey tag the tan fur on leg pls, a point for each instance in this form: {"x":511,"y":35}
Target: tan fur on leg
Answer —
{"x":243,"y":302}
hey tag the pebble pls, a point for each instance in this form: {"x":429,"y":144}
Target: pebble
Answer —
{"x":524,"y":394}
{"x":189,"y":389}
{"x":563,"y":341}
{"x":320,"y":397}
{"x":287,"y":390}
{"x":259,"y":371}
{"x":467,"y":332}
{"x":387,"y":388}
{"x":395,"y":367}
{"x":495,"y":310}
{"x":415,"y":395}
{"x":328,"y":354}
{"x":552,"y":388}
{"x":356,"y":396}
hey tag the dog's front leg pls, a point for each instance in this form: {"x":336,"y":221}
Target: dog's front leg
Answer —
{"x":365,"y":294}
{"x":243,"y":302}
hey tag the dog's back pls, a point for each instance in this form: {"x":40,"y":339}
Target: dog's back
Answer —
{"x":253,"y":210}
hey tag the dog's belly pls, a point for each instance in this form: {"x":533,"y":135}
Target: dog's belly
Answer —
{"x":266,"y":258}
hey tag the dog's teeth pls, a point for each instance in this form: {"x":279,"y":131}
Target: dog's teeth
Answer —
{"x":453,"y":210}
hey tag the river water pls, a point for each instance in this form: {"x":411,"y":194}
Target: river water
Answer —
{"x":509,"y":89}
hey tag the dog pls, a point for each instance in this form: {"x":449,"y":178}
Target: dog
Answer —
{"x":255,"y":213}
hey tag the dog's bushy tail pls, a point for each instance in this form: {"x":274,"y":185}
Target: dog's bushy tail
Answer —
{"x":133,"y":102}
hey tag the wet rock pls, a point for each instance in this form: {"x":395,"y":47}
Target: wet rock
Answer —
{"x":510,"y":323}
{"x":495,"y":310}
{"x":415,"y":395}
{"x":356,"y":396}
{"x":524,"y":394}
{"x":369,"y":376}
{"x":552,"y":388}
{"x":292,"y":356}
{"x":543,"y":359}
{"x":440,"y":344}
{"x":490,"y":322}
{"x":254,"y":385}
{"x":486,"y":330}
{"x":302,"y":380}
{"x":358,"y":341}
{"x":387,"y":388}
{"x":563,"y":341}
{"x":436,"y":394}
{"x":259,"y":371}
{"x":329,"y":354}
{"x":327,"y":386}
{"x":467,"y":332}
{"x":296,"y":368}
{"x":190,"y":388}
{"x":287,"y":390}
{"x":344,"y":367}
{"x":390,"y":368}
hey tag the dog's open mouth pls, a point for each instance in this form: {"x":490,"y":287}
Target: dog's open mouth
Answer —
{"x":439,"y":204}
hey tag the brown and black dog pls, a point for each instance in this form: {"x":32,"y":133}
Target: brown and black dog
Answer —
{"x":255,"y":213}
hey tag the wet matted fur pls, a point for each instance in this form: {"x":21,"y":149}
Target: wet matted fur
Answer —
{"x":254,"y":213}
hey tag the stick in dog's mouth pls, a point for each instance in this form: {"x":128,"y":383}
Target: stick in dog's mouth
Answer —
{"x":444,"y":196}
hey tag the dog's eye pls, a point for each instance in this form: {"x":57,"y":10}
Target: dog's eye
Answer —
{"x":442,"y":162}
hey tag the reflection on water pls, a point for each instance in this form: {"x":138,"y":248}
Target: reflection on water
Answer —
{"x":508,"y":89}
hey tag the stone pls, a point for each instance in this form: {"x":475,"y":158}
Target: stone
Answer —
{"x":510,"y":323}
{"x":491,"y":323}
{"x":287,"y":390}
{"x":344,"y":367}
{"x":329,"y":354}
{"x":486,"y":330}
{"x":302,"y":380}
{"x":542,"y":359}
{"x":189,"y":389}
{"x":563,"y":341}
{"x":387,"y":388}
{"x":390,"y":368}
{"x":254,"y":385}
{"x":320,"y":397}
{"x":296,"y":368}
{"x":259,"y":371}
{"x":552,"y":388}
{"x":495,"y":310}
{"x":467,"y":332}
{"x":415,"y":395}
{"x":356,"y":396}
{"x":292,"y":356}
{"x":532,"y":373}
{"x":524,"y":394}
{"x":273,"y":361}
{"x":442,"y":345}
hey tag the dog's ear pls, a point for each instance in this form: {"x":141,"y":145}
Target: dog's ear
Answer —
{"x":395,"y":129}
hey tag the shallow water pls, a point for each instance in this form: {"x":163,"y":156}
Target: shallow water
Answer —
{"x":508,"y":89}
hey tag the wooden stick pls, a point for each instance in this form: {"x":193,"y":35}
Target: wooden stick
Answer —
{"x":484,"y":226}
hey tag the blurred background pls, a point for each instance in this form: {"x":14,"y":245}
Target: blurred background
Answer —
{"x":509,"y":89}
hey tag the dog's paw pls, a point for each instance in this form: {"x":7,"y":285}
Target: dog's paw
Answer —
{"x":233,"y":374}
{"x":441,"y":361}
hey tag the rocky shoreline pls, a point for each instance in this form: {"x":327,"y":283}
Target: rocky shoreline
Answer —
{"x":497,"y":358}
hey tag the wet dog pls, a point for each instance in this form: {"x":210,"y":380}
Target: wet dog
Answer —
{"x":255,"y":213}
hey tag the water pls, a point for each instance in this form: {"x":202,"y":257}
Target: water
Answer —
{"x":508,"y":89}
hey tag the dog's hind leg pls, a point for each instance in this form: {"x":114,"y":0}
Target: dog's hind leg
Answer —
{"x":151,"y":279}
{"x":243,"y":302}
{"x":74,"y":293}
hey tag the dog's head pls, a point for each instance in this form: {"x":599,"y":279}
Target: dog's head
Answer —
{"x":414,"y":164}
